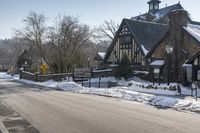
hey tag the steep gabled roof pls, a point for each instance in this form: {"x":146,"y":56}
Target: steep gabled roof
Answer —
{"x":156,"y":45}
{"x":159,"y":15}
{"x":194,"y":22}
{"x":193,"y":30}
{"x":146,"y":34}
{"x":193,"y":58}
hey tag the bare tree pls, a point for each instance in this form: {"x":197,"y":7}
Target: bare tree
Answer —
{"x":18,"y":45}
{"x":107,"y":30}
{"x":61,"y":45}
{"x":10,"y":49}
{"x":68,"y":37}
{"x":34,"y":32}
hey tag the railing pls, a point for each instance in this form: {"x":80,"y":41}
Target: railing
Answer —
{"x":27,"y":75}
{"x":83,"y":80}
{"x":42,"y":78}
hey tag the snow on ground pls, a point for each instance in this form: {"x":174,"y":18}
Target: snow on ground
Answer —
{"x":121,"y":82}
{"x":164,"y":101}
{"x":6,"y":76}
{"x":152,"y":91}
{"x":130,"y":93}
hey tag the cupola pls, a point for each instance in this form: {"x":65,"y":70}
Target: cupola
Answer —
{"x":154,"y":5}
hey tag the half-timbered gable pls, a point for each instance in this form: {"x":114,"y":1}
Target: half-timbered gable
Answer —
{"x":121,"y":45}
{"x":135,"y":39}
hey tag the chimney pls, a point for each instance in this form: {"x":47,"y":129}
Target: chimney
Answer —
{"x":177,"y":19}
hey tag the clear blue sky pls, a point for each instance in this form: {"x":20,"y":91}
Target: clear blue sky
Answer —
{"x":91,"y":12}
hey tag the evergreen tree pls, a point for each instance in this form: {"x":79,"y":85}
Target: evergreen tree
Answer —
{"x":125,"y":69}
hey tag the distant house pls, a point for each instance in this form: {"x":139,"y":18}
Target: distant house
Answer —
{"x":100,"y":56}
{"x":162,"y":42}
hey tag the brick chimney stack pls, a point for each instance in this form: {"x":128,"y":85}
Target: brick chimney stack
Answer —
{"x":177,"y":19}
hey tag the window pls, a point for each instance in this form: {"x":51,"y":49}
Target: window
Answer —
{"x":125,"y":39}
{"x":151,"y":7}
{"x":157,"y":6}
{"x":125,"y":42}
{"x":143,"y":62}
{"x":196,"y":62}
{"x":156,"y":72}
{"x":124,"y":31}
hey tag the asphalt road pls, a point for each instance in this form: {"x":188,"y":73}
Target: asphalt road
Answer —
{"x":62,"y":112}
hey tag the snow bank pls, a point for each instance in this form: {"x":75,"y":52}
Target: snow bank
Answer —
{"x":164,"y":101}
{"x":64,"y":85}
{"x":4,"y":75}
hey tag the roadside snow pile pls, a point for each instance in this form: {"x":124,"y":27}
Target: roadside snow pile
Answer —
{"x":4,"y":75}
{"x":164,"y":101}
{"x":65,"y":86}
{"x":69,"y":86}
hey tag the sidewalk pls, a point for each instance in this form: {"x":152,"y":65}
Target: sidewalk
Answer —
{"x":10,"y":121}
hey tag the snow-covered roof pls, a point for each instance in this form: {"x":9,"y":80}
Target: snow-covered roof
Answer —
{"x":187,"y":65}
{"x":102,"y":54}
{"x":144,"y":50}
{"x":114,"y":65}
{"x":157,"y":63}
{"x":103,"y":70}
{"x":158,"y":15}
{"x":194,"y":30}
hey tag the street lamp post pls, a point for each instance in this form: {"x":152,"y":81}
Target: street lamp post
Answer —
{"x":169,"y":49}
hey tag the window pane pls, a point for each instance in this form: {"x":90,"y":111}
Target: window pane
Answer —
{"x":196,"y":61}
{"x":156,"y":6}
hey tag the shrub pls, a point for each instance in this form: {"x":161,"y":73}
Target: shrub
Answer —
{"x":125,"y":69}
{"x":172,"y":88}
